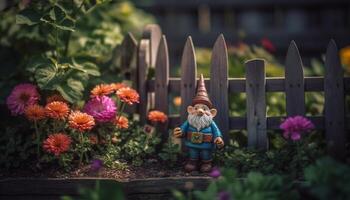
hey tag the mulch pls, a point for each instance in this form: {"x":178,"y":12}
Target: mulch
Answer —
{"x":151,"y":168}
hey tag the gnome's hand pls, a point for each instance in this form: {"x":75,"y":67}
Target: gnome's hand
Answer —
{"x":177,"y":132}
{"x":219,"y":142}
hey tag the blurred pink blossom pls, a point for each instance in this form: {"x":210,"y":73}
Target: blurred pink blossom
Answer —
{"x":293,"y":127}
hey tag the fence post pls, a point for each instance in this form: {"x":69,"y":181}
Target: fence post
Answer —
{"x":154,"y":34}
{"x":188,"y":77}
{"x":219,"y":84}
{"x":162,"y":83}
{"x":334,"y":103}
{"x":294,"y":82}
{"x":256,"y":104}
{"x":142,"y":69}
{"x":128,"y":51}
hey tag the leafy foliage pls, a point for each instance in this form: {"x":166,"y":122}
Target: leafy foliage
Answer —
{"x":64,"y":45}
{"x":170,"y":152}
{"x":133,"y":145}
{"x":255,"y":186}
{"x":103,"y":190}
{"x":327,"y":179}
{"x":281,"y":158}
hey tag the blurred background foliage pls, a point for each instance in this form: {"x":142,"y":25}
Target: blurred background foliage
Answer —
{"x":53,"y":42}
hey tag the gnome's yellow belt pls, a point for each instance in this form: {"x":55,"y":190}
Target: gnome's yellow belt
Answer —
{"x":197,"y":137}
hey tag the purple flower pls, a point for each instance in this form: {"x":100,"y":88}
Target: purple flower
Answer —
{"x":293,"y":127}
{"x":215,"y":172}
{"x":21,"y":97}
{"x":96,"y":165}
{"x":102,"y":108}
{"x":224,"y":195}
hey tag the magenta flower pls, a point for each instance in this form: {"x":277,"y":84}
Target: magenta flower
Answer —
{"x":215,"y":172}
{"x":21,"y":97}
{"x":293,"y":127}
{"x":96,"y":165}
{"x":268,"y":45}
{"x":224,"y":195}
{"x":102,"y":108}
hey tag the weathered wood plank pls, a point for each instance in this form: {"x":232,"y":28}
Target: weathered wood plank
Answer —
{"x":54,"y":188}
{"x":294,"y":83}
{"x":153,"y":33}
{"x":128,"y":58}
{"x":256,"y":104}
{"x":162,"y":83}
{"x":219,"y":85}
{"x":188,"y":77}
{"x":142,"y":67}
{"x":236,"y":85}
{"x":334,"y":103}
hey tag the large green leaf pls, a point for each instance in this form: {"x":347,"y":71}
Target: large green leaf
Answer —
{"x":37,"y":61}
{"x":86,"y":67}
{"x":28,"y":16}
{"x":46,"y":76}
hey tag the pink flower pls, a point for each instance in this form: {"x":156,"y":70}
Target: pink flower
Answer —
{"x":267,"y":44}
{"x":293,"y":127}
{"x":21,"y":97}
{"x":102,"y":108}
{"x":215,"y":172}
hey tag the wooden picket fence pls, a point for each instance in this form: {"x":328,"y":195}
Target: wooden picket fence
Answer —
{"x":152,"y":52}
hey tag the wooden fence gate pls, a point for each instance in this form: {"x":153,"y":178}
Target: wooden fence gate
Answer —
{"x":152,"y":52}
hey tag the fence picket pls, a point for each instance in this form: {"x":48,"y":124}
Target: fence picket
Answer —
{"x":153,"y":33}
{"x":142,"y":68}
{"x":334,"y":103}
{"x":188,"y":77}
{"x":294,"y":83}
{"x":256,"y":104}
{"x":219,"y":84}
{"x":162,"y":82}
{"x":128,"y":58}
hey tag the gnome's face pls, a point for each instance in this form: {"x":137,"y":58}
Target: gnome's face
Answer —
{"x":200,"y":116}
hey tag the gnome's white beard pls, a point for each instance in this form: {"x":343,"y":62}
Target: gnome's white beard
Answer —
{"x":200,"y":122}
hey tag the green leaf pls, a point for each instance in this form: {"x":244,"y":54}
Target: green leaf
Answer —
{"x":66,"y":25}
{"x":45,"y":76}
{"x":28,"y":17}
{"x":71,"y":92}
{"x":37,"y":61}
{"x":91,"y":69}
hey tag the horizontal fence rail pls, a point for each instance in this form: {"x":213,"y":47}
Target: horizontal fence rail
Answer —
{"x":152,"y":52}
{"x":237,"y":85}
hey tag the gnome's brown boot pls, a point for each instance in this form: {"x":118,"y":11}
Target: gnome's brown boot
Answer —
{"x":191,"y":165}
{"x":206,"y":166}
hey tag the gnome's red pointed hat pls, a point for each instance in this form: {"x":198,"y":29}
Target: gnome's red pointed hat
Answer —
{"x":202,"y":94}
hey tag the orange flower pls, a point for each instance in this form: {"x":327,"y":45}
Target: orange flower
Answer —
{"x":35,"y":112}
{"x":177,"y":101}
{"x":128,"y":95}
{"x":57,"y":143}
{"x":117,"y":86}
{"x":81,"y":121}
{"x":93,"y":139}
{"x":345,"y":57}
{"x":57,"y":110}
{"x":157,"y":116}
{"x":121,"y":122}
{"x":102,"y":90}
{"x":55,"y":97}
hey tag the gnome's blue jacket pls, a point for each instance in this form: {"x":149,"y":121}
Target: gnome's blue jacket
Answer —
{"x":212,"y":129}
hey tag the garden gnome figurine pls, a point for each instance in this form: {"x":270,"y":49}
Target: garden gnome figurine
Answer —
{"x":200,"y":131}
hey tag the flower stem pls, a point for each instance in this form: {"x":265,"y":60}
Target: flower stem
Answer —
{"x":298,"y":156}
{"x":81,"y":145}
{"x":121,"y":110}
{"x":37,"y":139}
